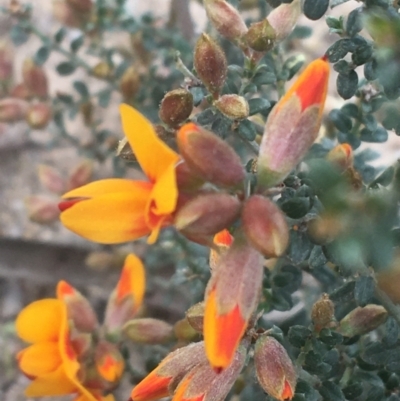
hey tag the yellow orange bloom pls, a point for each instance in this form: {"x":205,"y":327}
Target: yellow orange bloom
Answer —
{"x":119,"y":210}
{"x":293,"y":124}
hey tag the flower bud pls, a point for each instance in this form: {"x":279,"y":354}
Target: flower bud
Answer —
{"x":260,"y":36}
{"x":184,"y":331}
{"x":148,"y":331}
{"x":274,"y":368}
{"x":206,"y":214}
{"x":12,"y":110}
{"x":195,"y":316}
{"x":162,"y":381}
{"x":109,"y":361}
{"x":51,"y":179}
{"x":283,"y":19}
{"x":39,"y":115}
{"x":102,"y":70}
{"x":204,"y":383}
{"x":176,"y":107}
{"x":222,"y":241}
{"x":78,"y":307}
{"x":233,"y":106}
{"x":127,"y":297}
{"x":221,"y":167}
{"x":230,"y":300}
{"x":323,"y":313}
{"x":42,"y":209}
{"x":293,"y":124}
{"x":186,"y":178}
{"x":69,"y":15}
{"x":265,"y":226}
{"x":20,"y":91}
{"x":341,"y":156}
{"x":80,"y":175}
{"x":34,"y":78}
{"x":362,"y":320}
{"x":129,"y":83}
{"x":226,"y":19}
{"x":83,"y":6}
{"x":210,"y":64}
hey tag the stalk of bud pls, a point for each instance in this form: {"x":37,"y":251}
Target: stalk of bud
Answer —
{"x":261,"y":36}
{"x":293,"y":124}
{"x":362,"y":320}
{"x":206,"y":214}
{"x":210,"y":63}
{"x":176,"y":107}
{"x":233,"y":106}
{"x":226,"y":20}
{"x":274,"y":368}
{"x":265,"y":226}
{"x":163,"y":380}
{"x":148,"y":331}
{"x":34,"y":78}
{"x":230,"y":300}
{"x":283,"y":19}
{"x":221,"y":167}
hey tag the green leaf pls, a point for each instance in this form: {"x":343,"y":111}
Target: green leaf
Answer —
{"x":315,"y":9}
{"x":353,"y":391}
{"x":391,"y":332}
{"x":206,"y":117}
{"x":317,"y":258}
{"x":81,"y":88}
{"x":65,"y":68}
{"x":221,"y":126}
{"x":379,"y":135}
{"x":258,"y":105}
{"x":343,"y":294}
{"x":334,"y":23}
{"x":104,"y":98}
{"x":198,"y":95}
{"x":364,"y":290}
{"x":384,"y":179}
{"x":298,"y":335}
{"x":342,"y":67}
{"x":60,"y":35}
{"x":340,"y":120}
{"x":247,"y":130}
{"x":354,"y":22}
{"x":330,"y":391}
{"x":296,"y":208}
{"x":264,"y":78}
{"x":347,"y":84}
{"x":299,"y":247}
{"x":362,"y":54}
{"x":339,"y":49}
{"x":19,"y":35}
{"x":77,"y":43}
{"x":42,"y":55}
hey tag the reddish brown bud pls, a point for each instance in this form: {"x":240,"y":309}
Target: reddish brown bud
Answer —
{"x":233,"y":106}
{"x":80,"y":175}
{"x":260,"y":36}
{"x":283,"y":19}
{"x":341,"y":156}
{"x":83,"y":6}
{"x":148,"y":331}
{"x":176,"y":107}
{"x":12,"y":110}
{"x":34,"y":78}
{"x":68,"y":15}
{"x":102,"y":70}
{"x":362,"y":320}
{"x":274,"y":368}
{"x":41,"y":209}
{"x":39,"y":115}
{"x":207,"y":214}
{"x":226,"y":19}
{"x":21,"y":92}
{"x":51,"y":179}
{"x":186,"y":179}
{"x":323,"y":313}
{"x":221,"y":166}
{"x":265,"y":226}
{"x":195,"y":316}
{"x":210,"y":64}
{"x":129,"y":83}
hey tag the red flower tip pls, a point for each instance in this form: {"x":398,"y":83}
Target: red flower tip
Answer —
{"x":64,"y":205}
{"x":64,"y":289}
{"x":223,"y":238}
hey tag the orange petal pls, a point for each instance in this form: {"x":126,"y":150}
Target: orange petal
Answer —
{"x":103,"y":187}
{"x":111,"y":218}
{"x":153,"y":155}
{"x":40,"y":321}
{"x":110,"y":368}
{"x":181,"y":390}
{"x":222,"y":333}
{"x":132,"y":281}
{"x":287,"y":392}
{"x":223,"y":238}
{"x":152,"y":387}
{"x":52,"y":384}
{"x":39,"y":359}
{"x":311,"y":86}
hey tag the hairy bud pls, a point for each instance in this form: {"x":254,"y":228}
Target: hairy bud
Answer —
{"x":323,"y":313}
{"x":233,"y":106}
{"x":34,"y":78}
{"x":283,"y":19}
{"x":176,"y":107}
{"x":148,"y":331}
{"x":260,"y":36}
{"x":195,"y":316}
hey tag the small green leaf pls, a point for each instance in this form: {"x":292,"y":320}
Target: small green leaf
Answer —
{"x":221,"y":126}
{"x":247,"y":130}
{"x":317,"y":257}
{"x":342,"y":67}
{"x":296,"y":208}
{"x":81,"y":88}
{"x":65,"y":68}
{"x":60,"y":35}
{"x":354,"y":22}
{"x":379,"y":135}
{"x":77,"y":43}
{"x":258,"y":105}
{"x":104,"y":98}
{"x":338,"y":50}
{"x":264,"y":78}
{"x":392,"y":332}
{"x":362,"y":54}
{"x":330,"y":391}
{"x":340,"y":120}
{"x":42,"y":55}
{"x":298,"y":335}
{"x":364,"y":290}
{"x":347,"y":84}
{"x":206,"y":117}
{"x":353,"y":391}
{"x":334,"y":23}
{"x":19,"y":35}
{"x":315,"y":9}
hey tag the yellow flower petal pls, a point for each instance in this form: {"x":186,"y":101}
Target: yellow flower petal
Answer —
{"x":40,"y":359}
{"x":132,"y":281}
{"x":54,"y":383}
{"x":40,"y":321}
{"x":103,"y":187}
{"x":153,"y":155}
{"x":110,"y":219}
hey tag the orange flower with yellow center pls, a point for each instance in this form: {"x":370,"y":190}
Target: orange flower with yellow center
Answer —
{"x":119,"y":210}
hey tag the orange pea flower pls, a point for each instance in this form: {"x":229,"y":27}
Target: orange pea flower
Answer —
{"x":293,"y":124}
{"x":119,"y":210}
{"x":222,"y":241}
